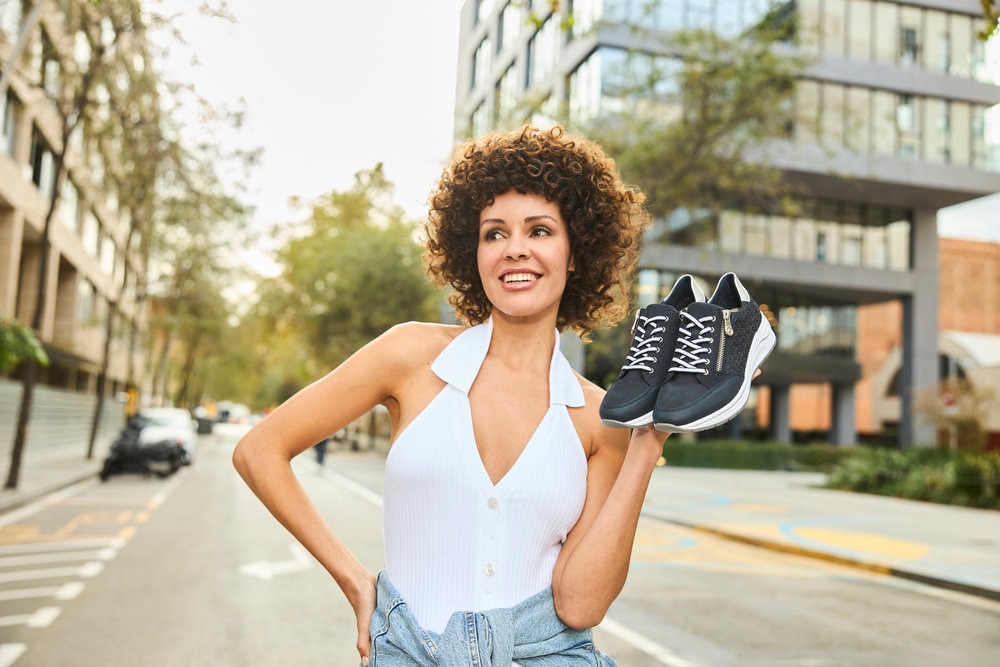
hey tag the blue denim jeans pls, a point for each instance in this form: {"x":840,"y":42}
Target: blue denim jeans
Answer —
{"x":529,"y":633}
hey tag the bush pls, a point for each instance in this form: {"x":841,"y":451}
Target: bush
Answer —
{"x":953,"y":477}
{"x":741,"y":454}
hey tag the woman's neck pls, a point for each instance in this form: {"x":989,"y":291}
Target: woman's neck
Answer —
{"x":523,"y":343}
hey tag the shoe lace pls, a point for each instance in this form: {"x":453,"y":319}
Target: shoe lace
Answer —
{"x":644,"y":342}
{"x":689,"y":352}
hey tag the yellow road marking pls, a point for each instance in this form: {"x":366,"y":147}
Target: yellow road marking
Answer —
{"x":877,"y":544}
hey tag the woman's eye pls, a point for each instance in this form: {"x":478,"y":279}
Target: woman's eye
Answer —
{"x":491,"y":235}
{"x":541,"y":231}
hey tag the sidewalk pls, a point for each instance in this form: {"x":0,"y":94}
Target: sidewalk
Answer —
{"x":950,"y":547}
{"x":42,"y":475}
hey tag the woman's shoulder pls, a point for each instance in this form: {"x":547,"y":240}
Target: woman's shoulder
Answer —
{"x":417,"y":342}
{"x":587,"y":418}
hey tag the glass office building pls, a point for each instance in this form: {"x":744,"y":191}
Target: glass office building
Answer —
{"x":896,"y":116}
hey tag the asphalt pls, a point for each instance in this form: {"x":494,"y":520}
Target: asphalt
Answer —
{"x":956,"y":548}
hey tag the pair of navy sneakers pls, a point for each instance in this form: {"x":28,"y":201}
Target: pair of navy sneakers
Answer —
{"x":691,"y":360}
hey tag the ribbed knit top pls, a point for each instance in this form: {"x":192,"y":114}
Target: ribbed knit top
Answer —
{"x":454,"y":541}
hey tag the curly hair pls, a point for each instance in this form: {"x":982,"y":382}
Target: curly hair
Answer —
{"x":605,"y":218}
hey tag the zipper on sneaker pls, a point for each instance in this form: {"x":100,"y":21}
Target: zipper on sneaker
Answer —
{"x":727,"y":330}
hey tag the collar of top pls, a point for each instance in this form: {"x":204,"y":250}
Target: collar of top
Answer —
{"x":459,"y":363}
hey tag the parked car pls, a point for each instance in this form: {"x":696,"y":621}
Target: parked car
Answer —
{"x":174,"y":424}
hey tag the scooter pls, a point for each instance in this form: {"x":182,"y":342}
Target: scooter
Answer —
{"x":128,"y":454}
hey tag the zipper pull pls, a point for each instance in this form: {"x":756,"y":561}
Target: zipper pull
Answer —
{"x":727,"y":324}
{"x":635,"y":322}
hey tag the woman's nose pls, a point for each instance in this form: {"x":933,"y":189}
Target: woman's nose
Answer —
{"x":516,"y":248}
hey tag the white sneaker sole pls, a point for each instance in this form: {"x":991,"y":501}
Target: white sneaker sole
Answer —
{"x":763,"y":343}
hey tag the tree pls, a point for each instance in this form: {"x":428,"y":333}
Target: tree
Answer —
{"x":351,"y":271}
{"x":18,"y":343}
{"x":693,"y":116}
{"x":87,"y":74}
{"x":991,"y":12}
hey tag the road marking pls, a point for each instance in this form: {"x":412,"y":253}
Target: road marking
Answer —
{"x":91,"y":569}
{"x":37,"y":506}
{"x":351,"y":485}
{"x":9,"y":653}
{"x":265,"y":570}
{"x":661,"y":654}
{"x":41,"y":618}
{"x":33,"y":547}
{"x":62,"y":557}
{"x":67,"y":591}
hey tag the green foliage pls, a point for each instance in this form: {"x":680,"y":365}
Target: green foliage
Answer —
{"x":935,"y":475}
{"x":18,"y":344}
{"x":349,"y":272}
{"x":690,"y":119}
{"x":991,"y":12}
{"x":745,"y":455}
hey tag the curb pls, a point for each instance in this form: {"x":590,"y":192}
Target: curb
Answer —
{"x":27,"y":497}
{"x":867,"y":566}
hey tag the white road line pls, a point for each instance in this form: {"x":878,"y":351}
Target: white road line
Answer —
{"x":9,"y":653}
{"x":90,"y":569}
{"x":353,"y":486}
{"x":45,"y":547}
{"x":43,"y":617}
{"x":68,"y":591}
{"x":660,"y":653}
{"x":61,"y":557}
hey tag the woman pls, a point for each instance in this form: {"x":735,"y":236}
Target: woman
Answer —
{"x":503,"y":489}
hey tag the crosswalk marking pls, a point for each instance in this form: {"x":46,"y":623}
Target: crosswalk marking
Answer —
{"x":66,"y":545}
{"x":40,"y":618}
{"x":61,"y":557}
{"x":9,"y":653}
{"x":91,"y":569}
{"x":67,"y":591}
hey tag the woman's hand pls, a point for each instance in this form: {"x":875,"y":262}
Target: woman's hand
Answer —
{"x":364,"y":607}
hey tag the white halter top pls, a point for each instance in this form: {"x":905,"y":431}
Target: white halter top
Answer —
{"x":453,"y":540}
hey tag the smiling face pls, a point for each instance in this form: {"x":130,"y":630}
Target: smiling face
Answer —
{"x":523,"y":255}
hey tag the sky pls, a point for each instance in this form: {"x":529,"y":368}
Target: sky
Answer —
{"x":333,"y":88}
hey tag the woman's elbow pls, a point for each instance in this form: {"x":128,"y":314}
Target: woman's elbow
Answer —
{"x":580,"y":616}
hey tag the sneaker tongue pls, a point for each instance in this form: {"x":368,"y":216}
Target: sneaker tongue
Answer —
{"x":701,"y":309}
{"x":659,"y":309}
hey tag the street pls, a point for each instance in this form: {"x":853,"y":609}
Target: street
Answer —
{"x":192,"y":571}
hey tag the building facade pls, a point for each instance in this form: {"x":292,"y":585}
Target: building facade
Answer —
{"x":895,"y":118}
{"x":89,"y":266}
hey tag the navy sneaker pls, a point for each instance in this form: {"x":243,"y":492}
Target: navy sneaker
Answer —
{"x":630,"y":399}
{"x":719,"y":347}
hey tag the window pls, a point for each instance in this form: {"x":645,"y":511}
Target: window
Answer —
{"x":86,"y":298}
{"x":908,"y":46}
{"x":8,"y":124}
{"x":108,"y":255}
{"x":10,"y":19}
{"x":511,"y":21}
{"x":905,"y":113}
{"x":481,"y":63}
{"x":483,"y":10}
{"x":41,"y":165}
{"x":542,"y":51}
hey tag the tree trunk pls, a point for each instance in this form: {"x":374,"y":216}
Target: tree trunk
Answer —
{"x":102,"y":380}
{"x":31,"y":369}
{"x":23,"y":417}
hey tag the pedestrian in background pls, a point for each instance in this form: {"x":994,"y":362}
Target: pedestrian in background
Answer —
{"x":320,"y":449}
{"x":507,"y":502}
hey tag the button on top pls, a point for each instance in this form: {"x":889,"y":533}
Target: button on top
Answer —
{"x":493,"y":503}
{"x":490,"y":569}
